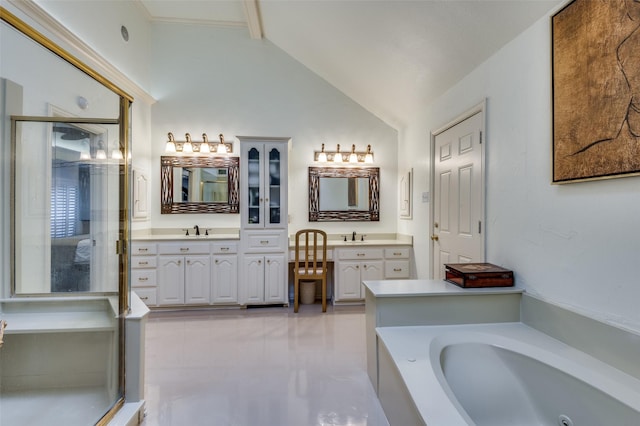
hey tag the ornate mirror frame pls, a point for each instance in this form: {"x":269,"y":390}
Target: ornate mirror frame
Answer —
{"x":373,"y":214}
{"x":167,"y":206}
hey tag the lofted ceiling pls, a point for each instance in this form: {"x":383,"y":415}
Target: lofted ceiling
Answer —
{"x":393,"y":57}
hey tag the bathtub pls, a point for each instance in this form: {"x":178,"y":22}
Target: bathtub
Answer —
{"x":498,"y":374}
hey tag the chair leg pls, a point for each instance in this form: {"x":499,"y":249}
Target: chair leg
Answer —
{"x":295,"y":295}
{"x":324,"y":295}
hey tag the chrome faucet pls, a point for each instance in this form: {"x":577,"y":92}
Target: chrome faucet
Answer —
{"x":197,"y":229}
{"x":353,"y":236}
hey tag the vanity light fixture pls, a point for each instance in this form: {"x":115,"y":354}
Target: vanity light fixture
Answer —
{"x":187,"y":147}
{"x":368,"y":157}
{"x":101,"y":154}
{"x":116,"y":154}
{"x":171,"y":144}
{"x":321,"y":156}
{"x":337,"y":157}
{"x":204,"y":146}
{"x":353,"y":157}
{"x":221,"y":148}
{"x":191,"y":147}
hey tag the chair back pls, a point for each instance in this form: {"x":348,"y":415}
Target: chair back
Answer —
{"x":311,"y":254}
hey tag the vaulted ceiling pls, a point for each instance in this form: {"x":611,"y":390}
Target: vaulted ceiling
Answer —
{"x":393,"y":57}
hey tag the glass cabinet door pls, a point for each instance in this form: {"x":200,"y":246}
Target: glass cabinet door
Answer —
{"x":254,"y":201}
{"x":264,"y":184}
{"x":274,"y":187}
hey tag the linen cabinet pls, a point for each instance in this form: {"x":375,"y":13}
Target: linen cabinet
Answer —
{"x":264,"y":219}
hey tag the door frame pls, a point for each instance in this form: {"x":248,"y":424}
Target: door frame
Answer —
{"x":478,"y":108}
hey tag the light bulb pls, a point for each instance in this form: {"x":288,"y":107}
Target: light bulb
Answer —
{"x":322,"y":156}
{"x":337,"y":158}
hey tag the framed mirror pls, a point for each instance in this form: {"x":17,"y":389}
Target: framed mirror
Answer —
{"x":199,"y":185}
{"x":344,"y":194}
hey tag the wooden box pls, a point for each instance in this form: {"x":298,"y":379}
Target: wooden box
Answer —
{"x":474,"y":275}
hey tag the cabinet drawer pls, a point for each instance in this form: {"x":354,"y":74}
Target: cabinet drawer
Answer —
{"x":224,"y":248}
{"x":142,"y":262}
{"x":143,"y":278}
{"x":359,"y":254}
{"x":147,"y":295}
{"x":396,"y":269}
{"x":264,"y":241}
{"x":396,"y":253}
{"x":186,"y":247}
{"x":143,"y":248}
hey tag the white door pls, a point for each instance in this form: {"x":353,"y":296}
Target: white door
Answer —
{"x":458,"y":200}
{"x":372,"y":270}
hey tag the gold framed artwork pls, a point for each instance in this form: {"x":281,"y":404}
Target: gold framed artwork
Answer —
{"x":596,"y":90}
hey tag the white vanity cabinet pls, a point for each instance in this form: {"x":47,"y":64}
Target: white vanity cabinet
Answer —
{"x":143,"y":271}
{"x":264,"y":279}
{"x":224,"y":273}
{"x":264,"y":220}
{"x":184,"y":273}
{"x":354,"y":265}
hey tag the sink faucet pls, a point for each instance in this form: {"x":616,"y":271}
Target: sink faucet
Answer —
{"x":353,"y":236}
{"x":197,"y":229}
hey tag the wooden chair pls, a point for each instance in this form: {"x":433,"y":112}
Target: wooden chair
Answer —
{"x":310,"y":262}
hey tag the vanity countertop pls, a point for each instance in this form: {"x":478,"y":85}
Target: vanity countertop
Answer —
{"x":374,"y":240}
{"x":179,"y":235}
{"x":403,"y":288}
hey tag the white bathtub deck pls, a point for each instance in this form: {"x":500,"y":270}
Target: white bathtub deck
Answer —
{"x":413,"y":351}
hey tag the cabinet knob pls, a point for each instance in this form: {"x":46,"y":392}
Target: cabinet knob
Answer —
{"x":179,"y":262}
{"x":143,"y":279}
{"x":435,"y":238}
{"x":217,"y":261}
{"x":184,"y":249}
{"x":224,"y":248}
{"x":143,"y":250}
{"x":145,"y":298}
{"x":397,"y":269}
{"x":143,"y":263}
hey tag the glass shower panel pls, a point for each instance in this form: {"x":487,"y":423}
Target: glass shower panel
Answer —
{"x":66,"y":207}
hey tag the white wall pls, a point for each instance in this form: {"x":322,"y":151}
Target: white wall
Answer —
{"x":218,"y":80}
{"x":576,"y":244}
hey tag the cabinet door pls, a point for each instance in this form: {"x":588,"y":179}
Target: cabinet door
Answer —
{"x":275,"y":284}
{"x":254,"y":202}
{"x":170,"y":280}
{"x":275,"y":184}
{"x":197,"y":280}
{"x":253,"y":278}
{"x":348,"y":281}
{"x":224,"y":280}
{"x":372,"y":270}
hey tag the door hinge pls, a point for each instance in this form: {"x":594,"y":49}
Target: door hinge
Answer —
{"x":121,"y":247}
{"x":481,"y":136}
{"x":479,"y":227}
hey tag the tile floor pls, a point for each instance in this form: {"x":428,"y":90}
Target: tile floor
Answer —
{"x":259,"y":367}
